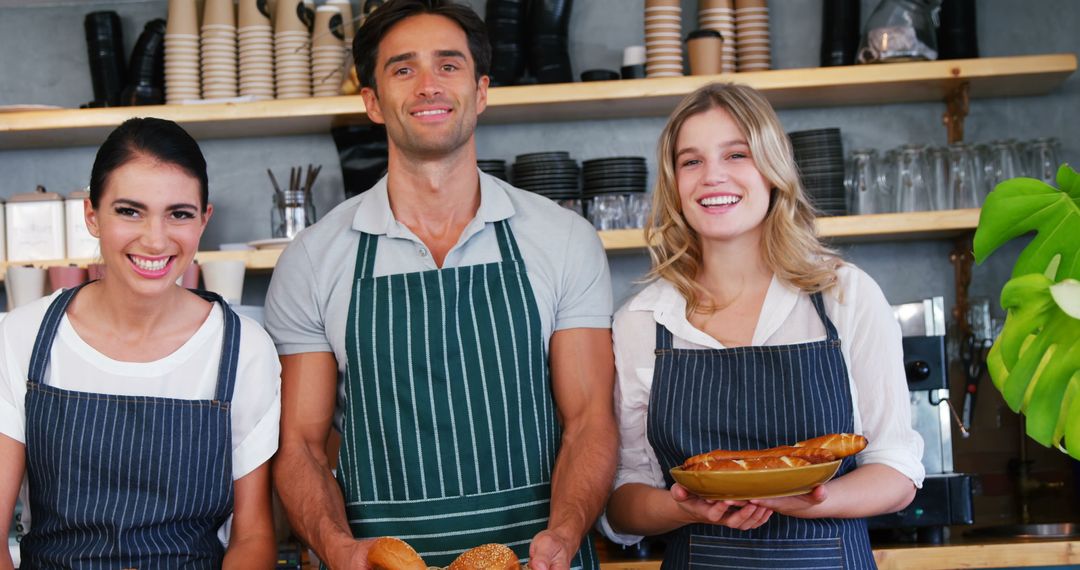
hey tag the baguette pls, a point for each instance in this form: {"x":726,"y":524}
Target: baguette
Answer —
{"x":809,"y":452}
{"x":841,"y":444}
{"x":390,"y":553}
{"x":486,"y":557}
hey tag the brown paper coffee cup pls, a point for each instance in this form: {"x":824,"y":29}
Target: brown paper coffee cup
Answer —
{"x":705,"y":48}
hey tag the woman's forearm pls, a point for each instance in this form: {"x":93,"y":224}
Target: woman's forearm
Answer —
{"x":639,"y":509}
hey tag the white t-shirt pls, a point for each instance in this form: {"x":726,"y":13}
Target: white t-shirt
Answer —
{"x":189,"y":373}
{"x":869,"y":340}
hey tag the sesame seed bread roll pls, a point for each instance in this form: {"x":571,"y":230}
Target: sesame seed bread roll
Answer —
{"x":486,"y":557}
{"x":390,"y":553}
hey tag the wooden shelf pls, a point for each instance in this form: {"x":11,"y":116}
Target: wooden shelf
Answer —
{"x":785,"y":88}
{"x":908,"y":226}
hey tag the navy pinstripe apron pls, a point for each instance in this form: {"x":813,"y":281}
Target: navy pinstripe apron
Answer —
{"x":127,"y":481}
{"x":755,"y":397}
{"x":449,"y":431}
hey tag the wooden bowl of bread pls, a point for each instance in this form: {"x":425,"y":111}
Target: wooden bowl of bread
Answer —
{"x":767,"y":473}
{"x":393,"y":554}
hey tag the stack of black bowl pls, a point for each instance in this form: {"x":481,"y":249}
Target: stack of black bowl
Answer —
{"x":615,"y":191}
{"x":105,"y":51}
{"x":549,"y":25}
{"x":494,"y":167}
{"x":618,"y":175}
{"x":507,"y":32}
{"x":551,"y":174}
{"x":819,"y":155}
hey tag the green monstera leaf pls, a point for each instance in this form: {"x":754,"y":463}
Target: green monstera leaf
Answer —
{"x":1035,"y":362}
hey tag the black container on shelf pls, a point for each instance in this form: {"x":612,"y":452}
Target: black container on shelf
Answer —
{"x":105,"y":53}
{"x":362,"y":150}
{"x":146,"y":74}
{"x":549,"y":55}
{"x":507,"y":32}
{"x":839,"y":32}
{"x":957,"y":38}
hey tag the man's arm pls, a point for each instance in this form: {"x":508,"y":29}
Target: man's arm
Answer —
{"x":582,"y":380}
{"x":302,"y":477}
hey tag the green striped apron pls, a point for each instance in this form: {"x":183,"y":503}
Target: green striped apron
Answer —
{"x":449,"y":431}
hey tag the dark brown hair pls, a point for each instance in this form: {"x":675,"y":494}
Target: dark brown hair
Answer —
{"x":366,"y":42}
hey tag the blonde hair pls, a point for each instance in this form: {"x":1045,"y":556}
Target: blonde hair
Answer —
{"x":790,"y":247}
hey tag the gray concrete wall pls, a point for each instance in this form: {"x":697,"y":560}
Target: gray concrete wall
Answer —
{"x":43,"y":58}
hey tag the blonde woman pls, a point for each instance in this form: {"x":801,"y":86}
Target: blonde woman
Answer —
{"x":752,"y":334}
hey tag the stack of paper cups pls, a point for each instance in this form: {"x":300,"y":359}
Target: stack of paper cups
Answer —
{"x":327,"y":52}
{"x":719,"y":15}
{"x":218,"y":49}
{"x":182,"y":81}
{"x":256,"y":42}
{"x":292,"y":50}
{"x":752,"y":35}
{"x":348,"y":25}
{"x":663,"y":38}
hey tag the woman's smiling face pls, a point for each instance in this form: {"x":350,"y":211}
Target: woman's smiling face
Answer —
{"x":149,"y":221}
{"x":722,"y":193}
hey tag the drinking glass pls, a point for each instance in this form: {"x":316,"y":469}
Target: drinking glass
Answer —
{"x":1004,"y":161}
{"x":1043,"y":159}
{"x":938,"y":161}
{"x":863,"y":184}
{"x":912,"y":175}
{"x":964,"y":182}
{"x":889,"y":199}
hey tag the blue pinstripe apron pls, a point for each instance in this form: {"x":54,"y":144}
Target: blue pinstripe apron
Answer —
{"x":755,"y":397}
{"x":127,"y":481}
{"x":449,"y":431}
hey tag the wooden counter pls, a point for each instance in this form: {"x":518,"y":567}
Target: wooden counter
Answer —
{"x":968,"y":554}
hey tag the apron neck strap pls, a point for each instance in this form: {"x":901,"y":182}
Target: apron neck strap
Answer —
{"x":230,"y":344}
{"x":819,"y":306}
{"x":663,"y":338}
{"x":369,"y":243}
{"x":39,"y":358}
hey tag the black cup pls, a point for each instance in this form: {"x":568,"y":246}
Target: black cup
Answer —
{"x":105,"y":52}
{"x":599,"y":75}
{"x":633,"y":71}
{"x":839,"y":32}
{"x":956,"y":35}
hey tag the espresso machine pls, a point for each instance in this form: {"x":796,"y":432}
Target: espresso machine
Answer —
{"x":946,"y":497}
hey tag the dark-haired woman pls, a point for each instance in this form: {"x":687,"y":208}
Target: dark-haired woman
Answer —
{"x":142,"y":414}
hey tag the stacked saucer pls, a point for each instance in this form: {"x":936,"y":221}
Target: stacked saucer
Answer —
{"x":182,"y":81}
{"x":719,"y":15}
{"x":663,"y":38}
{"x":494,"y":167}
{"x":218,"y":49}
{"x":328,"y":52}
{"x":752,"y":35}
{"x":618,"y":175}
{"x":292,"y":50}
{"x":819,"y":155}
{"x":256,"y":41}
{"x":551,"y":174}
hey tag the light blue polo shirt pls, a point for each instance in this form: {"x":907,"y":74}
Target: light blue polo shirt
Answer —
{"x":309,"y":295}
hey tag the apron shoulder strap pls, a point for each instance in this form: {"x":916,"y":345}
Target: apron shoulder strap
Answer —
{"x":39,"y":358}
{"x":230,"y":346}
{"x":365,"y":256}
{"x":664,"y":339}
{"x":819,"y":305}
{"x":508,"y":246}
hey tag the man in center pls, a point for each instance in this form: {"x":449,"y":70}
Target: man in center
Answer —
{"x":454,"y":329}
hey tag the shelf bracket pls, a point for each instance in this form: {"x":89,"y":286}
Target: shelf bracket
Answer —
{"x":956,"y":102}
{"x":962,"y":259}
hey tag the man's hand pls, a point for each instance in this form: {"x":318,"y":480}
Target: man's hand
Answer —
{"x":549,"y":551}
{"x":352,"y":557}
{"x":739,"y":515}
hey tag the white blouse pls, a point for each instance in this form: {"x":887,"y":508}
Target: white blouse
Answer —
{"x":870,"y":343}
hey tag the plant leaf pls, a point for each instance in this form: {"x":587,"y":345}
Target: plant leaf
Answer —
{"x":1035,"y":363}
{"x":1020,"y":205}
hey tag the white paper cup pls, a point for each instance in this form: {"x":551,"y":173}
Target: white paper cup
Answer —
{"x":225,"y":277}
{"x":24,"y":285}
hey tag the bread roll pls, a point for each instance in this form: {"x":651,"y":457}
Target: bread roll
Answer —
{"x":840,"y":444}
{"x":389,"y":553}
{"x":811,"y":454}
{"x":486,"y":557}
{"x":750,"y":464}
